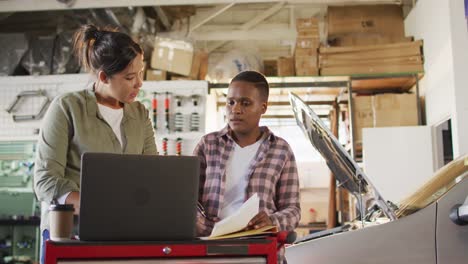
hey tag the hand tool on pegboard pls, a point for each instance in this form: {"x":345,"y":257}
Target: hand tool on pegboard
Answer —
{"x":179,"y":146}
{"x":195,"y":117}
{"x":23,"y":96}
{"x":164,"y":146}
{"x":154,"y":104}
{"x":178,"y":117}
{"x":166,"y":111}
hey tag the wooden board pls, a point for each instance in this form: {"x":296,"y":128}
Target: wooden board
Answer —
{"x":326,"y":50}
{"x":331,"y":62}
{"x":358,"y":70}
{"x":400,"y":83}
{"x":374,"y":54}
{"x":356,"y":40}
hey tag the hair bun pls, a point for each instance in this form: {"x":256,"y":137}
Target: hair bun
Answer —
{"x":91,"y":32}
{"x":97,"y":34}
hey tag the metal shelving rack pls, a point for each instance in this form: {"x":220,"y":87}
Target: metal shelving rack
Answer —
{"x":347,"y":85}
{"x":361,"y":84}
{"x":380,"y":83}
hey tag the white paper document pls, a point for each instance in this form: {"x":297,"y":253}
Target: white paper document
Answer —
{"x":239,"y":219}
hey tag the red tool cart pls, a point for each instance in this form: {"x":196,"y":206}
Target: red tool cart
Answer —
{"x":245,"y":250}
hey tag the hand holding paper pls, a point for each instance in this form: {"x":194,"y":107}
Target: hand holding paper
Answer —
{"x":234,"y":225}
{"x":238,"y":220}
{"x":260,"y":220}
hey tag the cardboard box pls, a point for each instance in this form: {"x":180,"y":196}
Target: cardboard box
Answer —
{"x":306,"y":65}
{"x":395,"y":110}
{"x":203,"y":66}
{"x":363,"y":115}
{"x":155,"y":75}
{"x":285,"y":66}
{"x":306,"y":52}
{"x":303,"y":24}
{"x":307,"y":71}
{"x":196,"y":64}
{"x":307,"y":43}
{"x":310,"y":33}
{"x":383,"y":19}
{"x":176,"y":77}
{"x":270,"y":67}
{"x":172,"y":55}
{"x":384,"y":110}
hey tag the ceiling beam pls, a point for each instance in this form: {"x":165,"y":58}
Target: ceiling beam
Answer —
{"x":221,"y":27}
{"x":253,"y":22}
{"x":43,"y":5}
{"x":262,"y":16}
{"x":163,"y":17}
{"x":254,"y":34}
{"x":216,"y":11}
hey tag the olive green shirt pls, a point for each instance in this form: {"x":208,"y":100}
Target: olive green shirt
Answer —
{"x":72,"y":126}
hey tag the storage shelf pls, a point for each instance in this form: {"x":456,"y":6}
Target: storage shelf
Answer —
{"x":361,"y":83}
{"x":297,"y":82}
{"x":20,"y":222}
{"x":402,"y":82}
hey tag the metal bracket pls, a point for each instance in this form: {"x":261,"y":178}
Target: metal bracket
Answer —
{"x":27,"y":94}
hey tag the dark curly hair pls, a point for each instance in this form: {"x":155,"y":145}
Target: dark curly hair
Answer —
{"x":257,"y":79}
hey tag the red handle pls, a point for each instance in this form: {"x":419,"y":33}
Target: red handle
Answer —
{"x":286,"y":237}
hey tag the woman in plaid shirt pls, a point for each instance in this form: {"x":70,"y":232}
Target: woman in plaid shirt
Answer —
{"x":243,"y":159}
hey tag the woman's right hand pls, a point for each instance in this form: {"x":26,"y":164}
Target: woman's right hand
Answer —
{"x":74,"y":198}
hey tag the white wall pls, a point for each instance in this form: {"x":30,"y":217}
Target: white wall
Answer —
{"x":399,"y":164}
{"x":460,"y":62}
{"x":442,"y":26}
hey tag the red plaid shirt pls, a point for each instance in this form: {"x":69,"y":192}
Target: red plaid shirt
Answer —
{"x":272,"y":174}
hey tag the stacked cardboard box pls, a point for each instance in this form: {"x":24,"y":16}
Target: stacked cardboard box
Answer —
{"x":172,"y":56}
{"x":177,"y":56}
{"x":307,"y":43}
{"x":199,"y":67}
{"x":372,"y":59}
{"x":365,"y":25}
{"x":285,"y":66}
{"x":155,"y":75}
{"x":383,"y":110}
{"x":270,"y":67}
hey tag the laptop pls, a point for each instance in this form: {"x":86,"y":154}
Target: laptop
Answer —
{"x":138,"y":197}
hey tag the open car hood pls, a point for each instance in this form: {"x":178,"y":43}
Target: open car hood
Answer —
{"x":346,"y":171}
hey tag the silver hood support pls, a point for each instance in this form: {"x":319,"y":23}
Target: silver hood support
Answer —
{"x":345,"y":169}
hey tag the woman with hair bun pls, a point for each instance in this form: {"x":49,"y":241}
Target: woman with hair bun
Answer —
{"x":104,"y":117}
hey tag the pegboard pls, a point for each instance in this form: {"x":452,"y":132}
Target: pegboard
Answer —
{"x":54,"y":85}
{"x":172,"y":91}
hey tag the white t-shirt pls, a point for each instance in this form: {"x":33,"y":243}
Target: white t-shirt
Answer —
{"x":114,"y":118}
{"x":237,"y":168}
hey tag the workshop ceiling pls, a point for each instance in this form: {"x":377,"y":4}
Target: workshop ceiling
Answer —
{"x":213,"y":25}
{"x":216,"y":26}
